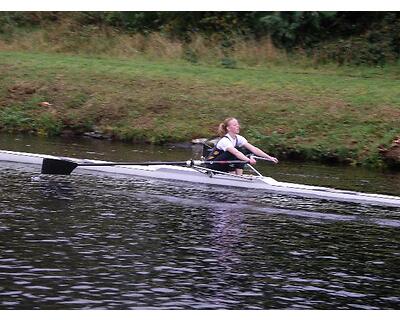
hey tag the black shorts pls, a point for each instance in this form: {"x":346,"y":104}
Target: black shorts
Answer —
{"x":227,"y":156}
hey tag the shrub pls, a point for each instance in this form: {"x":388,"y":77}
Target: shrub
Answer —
{"x":48,"y":124}
{"x":14,"y":119}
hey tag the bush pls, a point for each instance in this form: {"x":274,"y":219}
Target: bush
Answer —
{"x":229,"y":63}
{"x":48,"y":124}
{"x":377,"y":46}
{"x":190,"y":55}
{"x":14,"y":119}
{"x":357,"y":51}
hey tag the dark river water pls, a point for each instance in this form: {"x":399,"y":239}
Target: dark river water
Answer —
{"x":90,"y":241}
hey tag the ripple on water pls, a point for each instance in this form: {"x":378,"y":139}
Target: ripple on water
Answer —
{"x":88,"y":242}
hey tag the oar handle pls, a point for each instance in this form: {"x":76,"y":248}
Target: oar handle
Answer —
{"x":261,"y":158}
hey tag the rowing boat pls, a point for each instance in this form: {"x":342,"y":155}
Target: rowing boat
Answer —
{"x":195,"y":173}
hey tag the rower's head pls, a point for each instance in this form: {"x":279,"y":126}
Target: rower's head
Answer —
{"x":230,"y":125}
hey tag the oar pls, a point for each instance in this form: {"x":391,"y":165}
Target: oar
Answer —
{"x":260,"y":158}
{"x":62,"y":166}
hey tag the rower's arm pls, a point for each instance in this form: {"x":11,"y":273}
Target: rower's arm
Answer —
{"x":259,"y":152}
{"x":239,"y":154}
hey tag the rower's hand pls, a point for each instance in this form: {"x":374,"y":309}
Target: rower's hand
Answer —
{"x":274,"y":160}
{"x":252,"y":160}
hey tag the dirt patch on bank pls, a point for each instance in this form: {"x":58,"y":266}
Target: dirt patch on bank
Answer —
{"x":391,"y":154}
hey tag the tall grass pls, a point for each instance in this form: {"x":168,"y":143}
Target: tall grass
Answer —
{"x":67,"y":37}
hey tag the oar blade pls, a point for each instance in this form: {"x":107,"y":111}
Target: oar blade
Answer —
{"x":57,"y":166}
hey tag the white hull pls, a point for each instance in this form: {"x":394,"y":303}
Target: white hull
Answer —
{"x":178,"y":173}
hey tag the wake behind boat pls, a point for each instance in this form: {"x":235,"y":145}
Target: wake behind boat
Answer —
{"x":194,"y":172}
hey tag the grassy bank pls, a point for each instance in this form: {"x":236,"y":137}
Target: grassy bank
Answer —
{"x":325,"y":114}
{"x":69,"y":37}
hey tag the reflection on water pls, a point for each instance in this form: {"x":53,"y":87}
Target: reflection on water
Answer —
{"x":94,"y":241}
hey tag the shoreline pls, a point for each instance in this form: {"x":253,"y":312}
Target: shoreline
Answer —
{"x":318,"y":115}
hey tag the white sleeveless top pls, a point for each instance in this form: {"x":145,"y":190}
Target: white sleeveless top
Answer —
{"x":227,"y":141}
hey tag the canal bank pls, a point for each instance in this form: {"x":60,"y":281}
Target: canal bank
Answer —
{"x":324,"y":114}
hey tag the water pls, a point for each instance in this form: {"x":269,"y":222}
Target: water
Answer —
{"x":100,"y":242}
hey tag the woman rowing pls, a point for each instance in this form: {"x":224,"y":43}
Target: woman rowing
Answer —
{"x":231,"y":147}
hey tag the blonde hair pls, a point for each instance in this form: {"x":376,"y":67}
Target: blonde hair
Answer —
{"x":222,"y":128}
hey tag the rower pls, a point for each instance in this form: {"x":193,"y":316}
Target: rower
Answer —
{"x":233,"y":146}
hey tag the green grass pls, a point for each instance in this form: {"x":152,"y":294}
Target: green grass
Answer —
{"x":341,"y":114}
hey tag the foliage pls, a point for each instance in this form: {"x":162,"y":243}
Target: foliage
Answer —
{"x":48,"y":124}
{"x":10,"y":20}
{"x":14,"y":118}
{"x":344,"y":37}
{"x":297,"y":29}
{"x":378,"y":45}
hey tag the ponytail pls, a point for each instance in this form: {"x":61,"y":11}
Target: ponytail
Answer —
{"x":223,"y":125}
{"x":221,"y":129}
